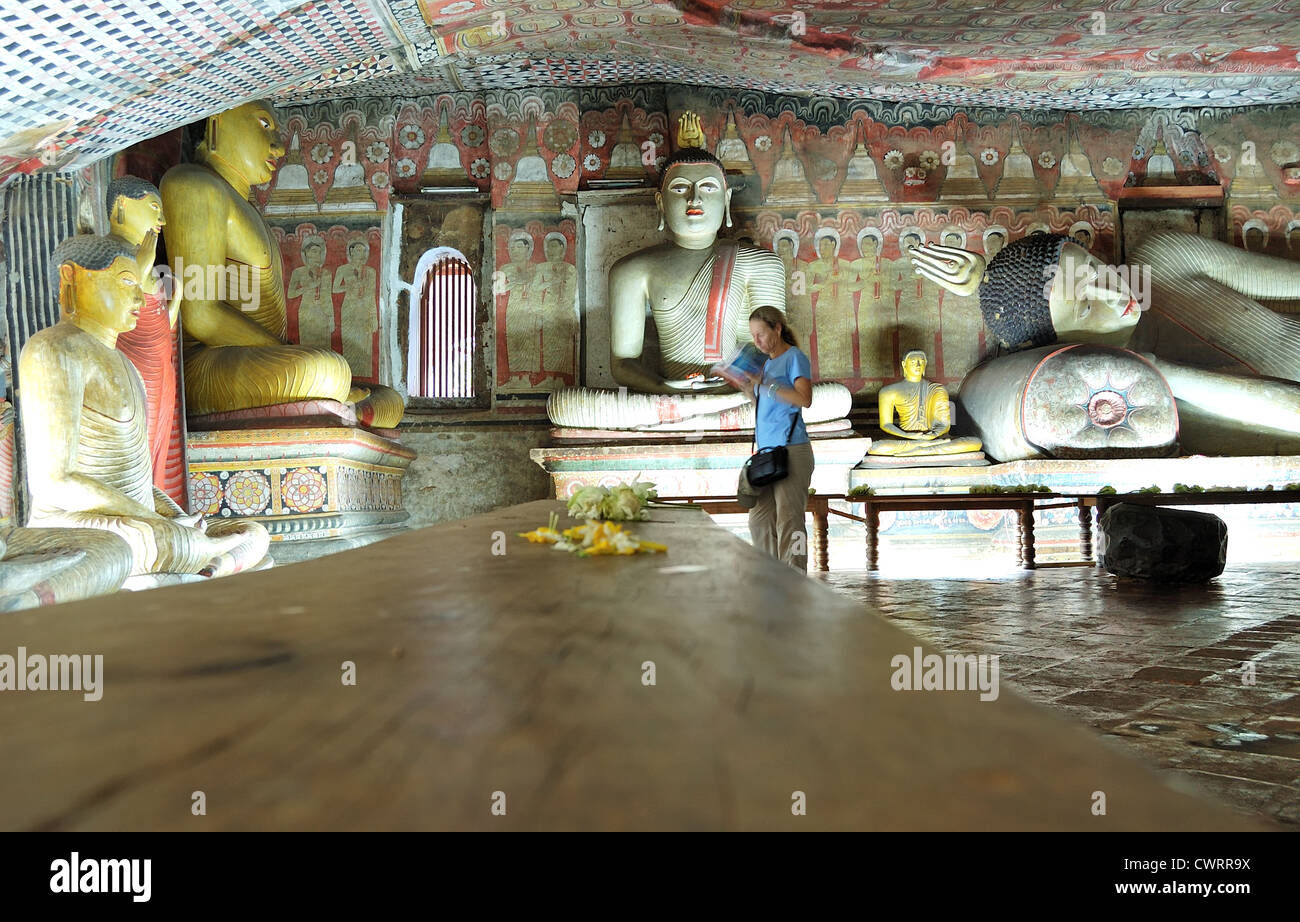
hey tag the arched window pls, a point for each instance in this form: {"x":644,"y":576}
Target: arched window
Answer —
{"x":442,"y":341}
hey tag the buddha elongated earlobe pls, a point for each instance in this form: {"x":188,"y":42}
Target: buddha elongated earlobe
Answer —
{"x":728,"y":213}
{"x":661,"y":220}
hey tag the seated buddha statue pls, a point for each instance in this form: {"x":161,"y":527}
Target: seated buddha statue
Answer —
{"x":1045,"y":289}
{"x":43,"y":566}
{"x":236,"y":356}
{"x":85,"y":424}
{"x":699,"y":291}
{"x":924,"y":415}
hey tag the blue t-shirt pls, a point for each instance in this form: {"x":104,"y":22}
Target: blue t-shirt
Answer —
{"x":774,"y":414}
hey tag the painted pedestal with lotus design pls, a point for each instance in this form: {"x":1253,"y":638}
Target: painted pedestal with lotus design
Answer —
{"x":300,"y":483}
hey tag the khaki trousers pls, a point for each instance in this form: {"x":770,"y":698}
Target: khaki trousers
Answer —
{"x":776,"y":522}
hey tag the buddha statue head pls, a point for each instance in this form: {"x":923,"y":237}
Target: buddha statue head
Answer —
{"x":98,"y":278}
{"x":914,"y":366}
{"x":1038,"y":290}
{"x":243,"y":144}
{"x":1044,"y":288}
{"x":694,"y":199}
{"x":134,"y":209}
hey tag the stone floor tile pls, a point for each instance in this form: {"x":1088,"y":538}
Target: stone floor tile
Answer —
{"x":1156,"y":670}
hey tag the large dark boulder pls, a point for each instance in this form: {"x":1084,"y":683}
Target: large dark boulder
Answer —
{"x":1166,"y":545}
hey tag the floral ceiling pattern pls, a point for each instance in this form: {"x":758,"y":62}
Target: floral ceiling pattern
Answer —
{"x":80,"y":79}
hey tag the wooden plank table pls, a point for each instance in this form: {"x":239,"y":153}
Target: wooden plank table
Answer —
{"x":1103,"y":501}
{"x":1023,"y":504}
{"x":522,"y":673}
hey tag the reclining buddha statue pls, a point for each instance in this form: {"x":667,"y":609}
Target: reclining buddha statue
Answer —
{"x":699,"y":292}
{"x":1069,"y":387}
{"x":85,"y":425}
{"x":236,"y":356}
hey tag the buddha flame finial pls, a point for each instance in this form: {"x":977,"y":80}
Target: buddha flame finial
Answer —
{"x":689,"y":132}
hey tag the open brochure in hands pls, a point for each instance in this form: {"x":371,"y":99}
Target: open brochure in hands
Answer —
{"x":749,"y":360}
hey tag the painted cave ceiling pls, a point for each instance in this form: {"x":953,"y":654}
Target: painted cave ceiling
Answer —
{"x":84,"y":78}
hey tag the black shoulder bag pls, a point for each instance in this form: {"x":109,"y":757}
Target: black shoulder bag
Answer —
{"x":768,"y":465}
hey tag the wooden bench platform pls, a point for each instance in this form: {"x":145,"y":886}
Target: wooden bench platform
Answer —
{"x":818,"y":506}
{"x":1024,"y":505}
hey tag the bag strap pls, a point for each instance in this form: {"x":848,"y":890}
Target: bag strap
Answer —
{"x":794,"y":421}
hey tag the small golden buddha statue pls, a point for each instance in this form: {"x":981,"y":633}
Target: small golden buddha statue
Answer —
{"x":924,"y":416}
{"x":84,"y":423}
{"x":236,"y":357}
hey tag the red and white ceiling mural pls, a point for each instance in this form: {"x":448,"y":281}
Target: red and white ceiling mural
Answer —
{"x":80,"y":79}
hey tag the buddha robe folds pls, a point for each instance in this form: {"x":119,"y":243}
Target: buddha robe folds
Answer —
{"x":151,"y":347}
{"x":698,"y":329}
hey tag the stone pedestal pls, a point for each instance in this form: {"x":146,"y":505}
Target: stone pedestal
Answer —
{"x":300,"y":483}
{"x":687,"y":468}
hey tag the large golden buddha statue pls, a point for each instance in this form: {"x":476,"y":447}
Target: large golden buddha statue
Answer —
{"x":236,"y":356}
{"x":699,"y":291}
{"x":924,"y":416}
{"x":84,"y":424}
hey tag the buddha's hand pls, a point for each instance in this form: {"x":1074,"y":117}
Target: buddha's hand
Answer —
{"x":958,"y":270}
{"x":145,"y":255}
{"x":689,"y":132}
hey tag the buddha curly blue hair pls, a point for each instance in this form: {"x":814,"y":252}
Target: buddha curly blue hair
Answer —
{"x":92,"y":252}
{"x":1013,"y":294}
{"x":689,"y":155}
{"x":132,"y":187}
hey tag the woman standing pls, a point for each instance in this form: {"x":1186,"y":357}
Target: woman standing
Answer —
{"x":776,"y":521}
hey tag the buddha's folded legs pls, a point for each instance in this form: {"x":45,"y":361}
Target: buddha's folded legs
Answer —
{"x":590,"y":408}
{"x":43,"y":566}
{"x":162,"y":545}
{"x":381,"y":408}
{"x":903,"y":448}
{"x":219,"y":379}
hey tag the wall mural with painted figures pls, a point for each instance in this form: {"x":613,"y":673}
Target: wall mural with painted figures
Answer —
{"x":537,"y":322}
{"x":853,"y":298}
{"x":839,"y":188}
{"x":332,"y":289}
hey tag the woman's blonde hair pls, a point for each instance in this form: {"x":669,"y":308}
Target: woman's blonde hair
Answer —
{"x":773,"y":316}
